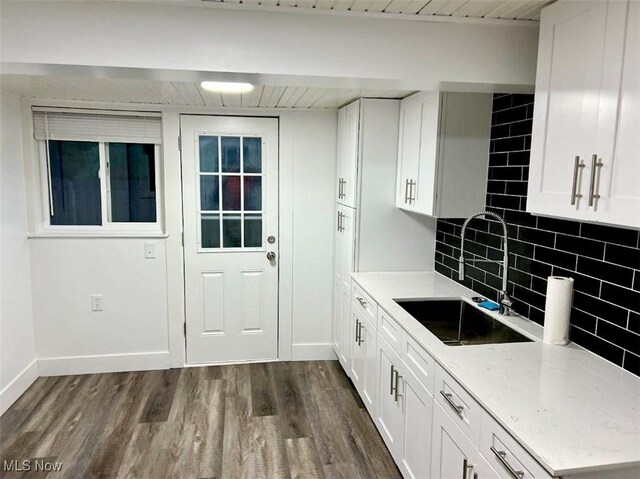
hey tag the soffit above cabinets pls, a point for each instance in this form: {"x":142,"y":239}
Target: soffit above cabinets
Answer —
{"x":182,"y":93}
{"x":490,"y":9}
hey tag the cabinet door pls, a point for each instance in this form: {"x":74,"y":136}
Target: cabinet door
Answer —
{"x":453,"y":454}
{"x":619,"y":177}
{"x":368,"y":340}
{"x":340,"y":153}
{"x":408,"y":150}
{"x":344,"y":244}
{"x":358,"y":348}
{"x":416,"y":444}
{"x":388,"y":413}
{"x":350,"y":154}
{"x":346,"y":330}
{"x":573,"y":42}
{"x":336,"y":325}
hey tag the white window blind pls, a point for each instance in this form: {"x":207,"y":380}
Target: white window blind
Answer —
{"x":110,"y":127}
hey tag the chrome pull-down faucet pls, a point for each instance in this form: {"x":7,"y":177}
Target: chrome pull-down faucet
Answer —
{"x":503,"y":299}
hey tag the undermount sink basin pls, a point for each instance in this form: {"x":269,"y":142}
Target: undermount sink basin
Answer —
{"x":457,"y":323}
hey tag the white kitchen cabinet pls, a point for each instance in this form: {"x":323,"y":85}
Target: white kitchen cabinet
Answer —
{"x":348,"y":130}
{"x":453,"y":454}
{"x":344,"y":244}
{"x":403,"y":414}
{"x":585,"y":127}
{"x":363,"y":357}
{"x":388,"y":413}
{"x":443,"y":153}
{"x":371,"y":233}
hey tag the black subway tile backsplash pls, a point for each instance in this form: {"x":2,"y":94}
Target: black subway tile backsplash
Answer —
{"x":603,"y":260}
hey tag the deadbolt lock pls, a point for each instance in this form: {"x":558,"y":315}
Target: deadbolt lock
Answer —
{"x":271,"y":256}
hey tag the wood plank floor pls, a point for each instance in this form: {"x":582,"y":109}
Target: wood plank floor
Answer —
{"x":270,"y":420}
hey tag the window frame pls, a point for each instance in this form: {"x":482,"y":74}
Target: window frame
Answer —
{"x":199,"y":212}
{"x":108,"y":227}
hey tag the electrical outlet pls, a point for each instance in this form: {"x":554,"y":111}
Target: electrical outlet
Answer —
{"x":150,"y":250}
{"x":97,"y":302}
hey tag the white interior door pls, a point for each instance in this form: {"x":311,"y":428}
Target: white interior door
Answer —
{"x":230,"y":198}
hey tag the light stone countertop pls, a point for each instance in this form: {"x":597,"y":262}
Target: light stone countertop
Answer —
{"x":572,"y":410}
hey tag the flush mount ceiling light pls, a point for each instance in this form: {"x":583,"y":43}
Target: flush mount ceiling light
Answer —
{"x":227,"y":86}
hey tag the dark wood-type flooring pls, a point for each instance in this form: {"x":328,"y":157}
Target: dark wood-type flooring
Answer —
{"x":270,"y":420}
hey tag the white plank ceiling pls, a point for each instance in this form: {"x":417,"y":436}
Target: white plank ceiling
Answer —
{"x":500,"y":9}
{"x":181,"y":93}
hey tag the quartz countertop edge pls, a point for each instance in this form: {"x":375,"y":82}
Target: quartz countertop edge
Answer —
{"x":573,"y":411}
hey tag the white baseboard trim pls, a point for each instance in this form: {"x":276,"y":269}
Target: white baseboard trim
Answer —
{"x":312,"y":352}
{"x":18,"y":386}
{"x":107,"y":363}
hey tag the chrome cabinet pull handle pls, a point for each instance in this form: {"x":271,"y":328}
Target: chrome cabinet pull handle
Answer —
{"x":412,"y":198}
{"x":502,"y":457}
{"x":466,"y":467}
{"x":397,"y":390}
{"x":357,"y":330}
{"x":576,"y":166}
{"x":595,"y":163}
{"x":360,"y":338}
{"x":456,"y":408}
{"x":393,"y":383}
{"x":362,"y":302}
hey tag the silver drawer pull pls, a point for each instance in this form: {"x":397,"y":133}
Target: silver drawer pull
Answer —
{"x":357,"y":331}
{"x":574,"y":187}
{"x":467,"y":467}
{"x":456,"y":408}
{"x":393,"y":383}
{"x":362,"y":302}
{"x":360,"y":338}
{"x":502,"y":457}
{"x":595,"y":163}
{"x":397,"y":393}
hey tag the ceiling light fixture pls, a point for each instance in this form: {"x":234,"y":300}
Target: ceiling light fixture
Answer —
{"x":226,"y":86}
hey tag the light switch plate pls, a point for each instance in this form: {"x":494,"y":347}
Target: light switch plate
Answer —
{"x":150,"y":250}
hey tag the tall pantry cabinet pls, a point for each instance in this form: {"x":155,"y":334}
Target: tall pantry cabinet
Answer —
{"x":371,"y":234}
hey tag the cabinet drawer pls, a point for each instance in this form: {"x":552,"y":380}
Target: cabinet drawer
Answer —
{"x":458,"y":403}
{"x":505,"y":454}
{"x":390,"y":330}
{"x":364,"y":302}
{"x":421,"y":364}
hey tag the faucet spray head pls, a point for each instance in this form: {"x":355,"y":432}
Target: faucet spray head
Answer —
{"x":461,"y":268}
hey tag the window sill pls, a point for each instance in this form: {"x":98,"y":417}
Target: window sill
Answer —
{"x":110,"y":235}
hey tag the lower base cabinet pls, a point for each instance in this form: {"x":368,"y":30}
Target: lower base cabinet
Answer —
{"x":453,"y":455}
{"x":363,"y":357}
{"x":403,"y":414}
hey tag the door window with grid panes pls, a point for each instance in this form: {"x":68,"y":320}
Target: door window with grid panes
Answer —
{"x":230,"y":195}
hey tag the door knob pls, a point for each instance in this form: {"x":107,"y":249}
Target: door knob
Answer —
{"x":271,"y":256}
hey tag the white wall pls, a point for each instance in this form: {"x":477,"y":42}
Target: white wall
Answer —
{"x":141,"y":326}
{"x":70,"y":338}
{"x":380,"y":53}
{"x":314,"y":152}
{"x":17,"y":348}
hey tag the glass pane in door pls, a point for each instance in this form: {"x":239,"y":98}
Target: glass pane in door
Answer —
{"x":209,"y":195}
{"x":230,"y":154}
{"x":208,"y":154}
{"x":231,"y":231}
{"x":253,"y":230}
{"x":210,"y":230}
{"x":252,"y":155}
{"x":253,"y":193}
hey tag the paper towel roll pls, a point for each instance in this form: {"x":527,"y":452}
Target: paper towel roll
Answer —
{"x":557,"y":310}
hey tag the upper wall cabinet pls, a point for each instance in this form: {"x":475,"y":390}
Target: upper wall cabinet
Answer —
{"x":348,"y":129}
{"x":586,"y":124}
{"x":443,"y":153}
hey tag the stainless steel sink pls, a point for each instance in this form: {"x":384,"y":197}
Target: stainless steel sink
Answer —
{"x":457,"y":323}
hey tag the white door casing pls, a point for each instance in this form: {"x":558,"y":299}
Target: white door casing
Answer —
{"x":230,"y":209}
